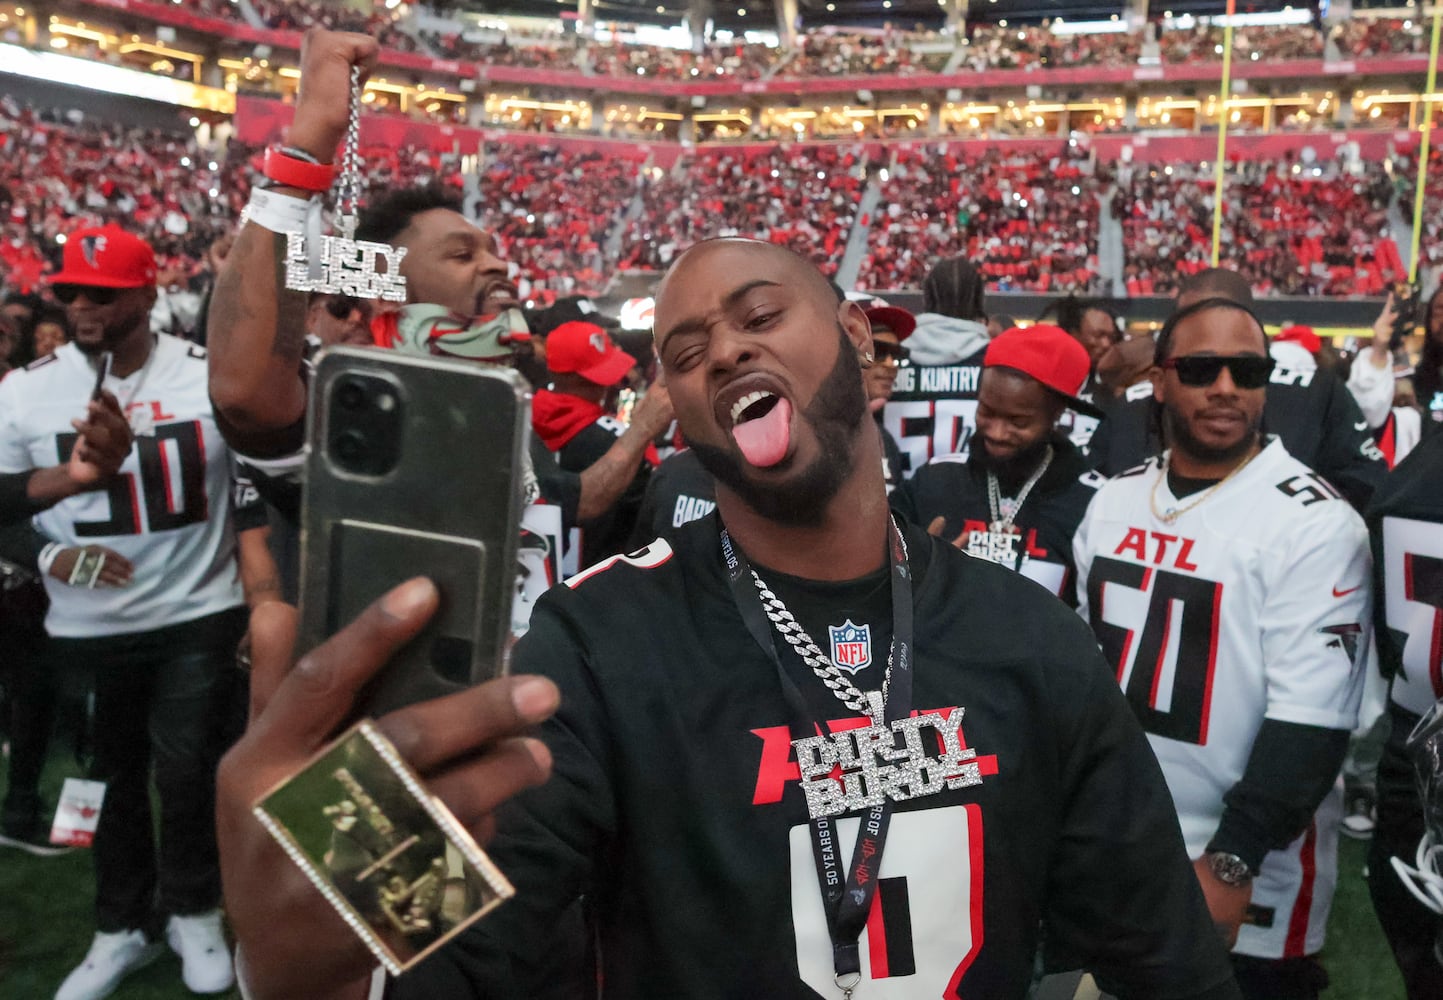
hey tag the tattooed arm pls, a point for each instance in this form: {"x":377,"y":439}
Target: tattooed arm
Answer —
{"x":257,"y":327}
{"x":604,"y":481}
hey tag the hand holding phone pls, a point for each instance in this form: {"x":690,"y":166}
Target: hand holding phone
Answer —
{"x":105,"y":436}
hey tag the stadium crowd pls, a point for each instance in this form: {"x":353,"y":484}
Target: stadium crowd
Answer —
{"x":1168,"y":728}
{"x":983,"y":46}
{"x":1293,"y":228}
{"x":1028,"y":220}
{"x":805,"y":199}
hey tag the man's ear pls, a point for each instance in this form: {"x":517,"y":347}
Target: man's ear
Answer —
{"x":1155,"y":375}
{"x":857,"y":327}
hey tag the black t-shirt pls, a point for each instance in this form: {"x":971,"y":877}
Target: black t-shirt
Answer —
{"x":1186,"y":486}
{"x":1313,"y":412}
{"x":851,"y":623}
{"x":674,"y":806}
{"x":679,"y":491}
{"x":957,"y":491}
{"x":608,"y":534}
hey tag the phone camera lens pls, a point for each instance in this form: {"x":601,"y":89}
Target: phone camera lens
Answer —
{"x":351,"y":396}
{"x":351,"y":446}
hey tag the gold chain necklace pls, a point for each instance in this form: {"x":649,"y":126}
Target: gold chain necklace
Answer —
{"x":1173,"y":513}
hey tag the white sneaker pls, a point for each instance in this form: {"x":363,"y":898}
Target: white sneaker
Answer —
{"x":111,"y":958}
{"x":205,"y":964}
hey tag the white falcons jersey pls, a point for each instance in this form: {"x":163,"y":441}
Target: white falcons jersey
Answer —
{"x":168,"y":511}
{"x":1253,"y":603}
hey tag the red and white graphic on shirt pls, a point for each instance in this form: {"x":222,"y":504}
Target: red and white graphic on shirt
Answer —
{"x":925,"y":926}
{"x":168,"y":489}
{"x":1413,"y":583}
{"x":1159,"y":630}
{"x":927,"y":428}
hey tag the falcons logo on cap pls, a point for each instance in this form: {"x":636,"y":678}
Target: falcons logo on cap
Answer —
{"x":598,"y":342}
{"x":91,"y":247}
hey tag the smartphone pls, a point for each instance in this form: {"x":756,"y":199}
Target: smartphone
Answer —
{"x":102,"y":371}
{"x":413,"y":468}
{"x":1407,"y":299}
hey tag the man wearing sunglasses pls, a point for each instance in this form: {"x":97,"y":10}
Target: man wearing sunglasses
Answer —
{"x":891,"y":325}
{"x":145,"y":598}
{"x":1312,"y":411}
{"x":1017,"y":496}
{"x":339,"y":319}
{"x":1229,"y":586}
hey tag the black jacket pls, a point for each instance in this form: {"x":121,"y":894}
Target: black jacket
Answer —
{"x":957,"y":491}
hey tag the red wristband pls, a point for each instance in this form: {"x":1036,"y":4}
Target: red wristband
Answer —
{"x":291,"y":172}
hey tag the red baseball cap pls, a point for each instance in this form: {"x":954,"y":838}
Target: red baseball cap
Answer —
{"x":1301,"y":335}
{"x":1049,"y":354}
{"x":106,"y":257}
{"x":898,"y":320}
{"x":584,"y":348}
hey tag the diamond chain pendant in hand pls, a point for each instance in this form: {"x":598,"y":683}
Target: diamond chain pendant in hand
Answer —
{"x":344,"y":265}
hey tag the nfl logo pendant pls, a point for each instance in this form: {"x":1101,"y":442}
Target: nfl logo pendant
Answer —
{"x":851,"y":646}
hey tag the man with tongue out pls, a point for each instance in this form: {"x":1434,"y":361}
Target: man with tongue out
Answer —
{"x":794,"y":696}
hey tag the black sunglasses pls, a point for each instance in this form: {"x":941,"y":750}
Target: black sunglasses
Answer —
{"x":341,"y":307}
{"x":67,"y":294}
{"x":1248,"y":371}
{"x":889,"y":352}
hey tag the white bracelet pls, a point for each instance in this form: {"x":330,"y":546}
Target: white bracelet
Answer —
{"x":280,"y":213}
{"x":47,"y":556}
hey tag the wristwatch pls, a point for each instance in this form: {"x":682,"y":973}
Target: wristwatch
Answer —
{"x":1229,"y":869}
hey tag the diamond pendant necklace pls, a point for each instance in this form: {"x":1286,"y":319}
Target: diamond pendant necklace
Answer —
{"x":341,"y":264}
{"x":806,"y":647}
{"x":996,"y":502}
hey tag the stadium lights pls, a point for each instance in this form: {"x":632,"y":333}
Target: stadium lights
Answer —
{"x":52,"y":67}
{"x":1112,"y":27}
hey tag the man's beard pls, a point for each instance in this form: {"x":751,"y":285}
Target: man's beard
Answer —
{"x":834,"y":415}
{"x":1179,"y":436}
{"x":1013,"y":470}
{"x":111,"y":338}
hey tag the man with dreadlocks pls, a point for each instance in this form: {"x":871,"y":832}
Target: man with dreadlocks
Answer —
{"x":933,"y":409}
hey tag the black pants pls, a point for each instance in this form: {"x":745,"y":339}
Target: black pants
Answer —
{"x":1410,"y":927}
{"x":32,"y":697}
{"x":1280,"y":979}
{"x":162,"y":702}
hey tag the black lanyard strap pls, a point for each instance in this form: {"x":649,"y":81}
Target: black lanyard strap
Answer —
{"x":846,"y":896}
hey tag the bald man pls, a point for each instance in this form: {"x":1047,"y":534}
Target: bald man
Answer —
{"x":693,"y":802}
